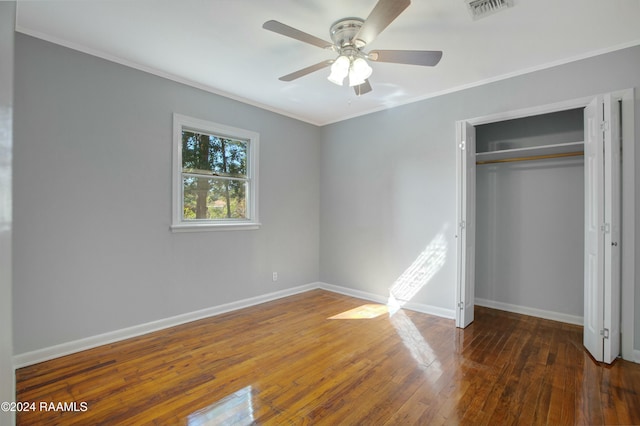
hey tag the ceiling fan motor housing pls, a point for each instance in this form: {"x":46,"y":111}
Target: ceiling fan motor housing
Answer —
{"x":344,"y":31}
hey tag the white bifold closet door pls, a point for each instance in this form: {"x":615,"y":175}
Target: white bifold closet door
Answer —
{"x":602,"y":229}
{"x":466,"y":223}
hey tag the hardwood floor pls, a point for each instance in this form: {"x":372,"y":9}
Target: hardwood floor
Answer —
{"x":290,"y":362}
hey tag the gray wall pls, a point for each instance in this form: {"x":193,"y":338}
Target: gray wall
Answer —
{"x":530,"y":234}
{"x":388,"y":179}
{"x":93,"y":252}
{"x":7,"y":377}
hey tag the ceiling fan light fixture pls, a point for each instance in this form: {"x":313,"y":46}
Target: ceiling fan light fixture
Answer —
{"x":349,"y":37}
{"x":354,"y":81}
{"x":339,"y":70}
{"x":359,"y":72}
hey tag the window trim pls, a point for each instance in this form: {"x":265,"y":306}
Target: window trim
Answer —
{"x":181,"y":122}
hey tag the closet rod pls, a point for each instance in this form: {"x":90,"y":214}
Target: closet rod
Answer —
{"x":534,"y":157}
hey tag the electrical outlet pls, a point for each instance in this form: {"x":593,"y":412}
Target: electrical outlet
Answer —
{"x":275,"y":276}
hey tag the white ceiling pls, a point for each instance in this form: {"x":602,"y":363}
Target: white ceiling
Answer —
{"x":220,"y":46}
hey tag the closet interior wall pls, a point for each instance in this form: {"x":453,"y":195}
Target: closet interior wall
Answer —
{"x":530,"y":218}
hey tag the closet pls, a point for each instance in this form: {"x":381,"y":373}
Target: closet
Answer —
{"x":530,"y":215}
{"x":539,"y":209}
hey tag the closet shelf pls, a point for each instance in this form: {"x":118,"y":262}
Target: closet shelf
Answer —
{"x":531,"y":153}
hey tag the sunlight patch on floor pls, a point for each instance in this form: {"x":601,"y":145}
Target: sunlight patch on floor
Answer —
{"x":367,"y":311}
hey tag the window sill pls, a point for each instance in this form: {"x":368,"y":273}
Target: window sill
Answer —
{"x":204,"y":227}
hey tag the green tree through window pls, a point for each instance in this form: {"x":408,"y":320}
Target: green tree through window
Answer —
{"x":215,"y":178}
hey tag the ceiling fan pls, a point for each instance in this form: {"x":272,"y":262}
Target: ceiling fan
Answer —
{"x":349,"y":37}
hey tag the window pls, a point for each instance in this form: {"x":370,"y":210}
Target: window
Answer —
{"x":214,"y":176}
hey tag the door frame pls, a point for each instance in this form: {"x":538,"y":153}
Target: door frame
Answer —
{"x":628,"y":210}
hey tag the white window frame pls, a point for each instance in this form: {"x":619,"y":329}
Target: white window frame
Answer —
{"x":182,"y":122}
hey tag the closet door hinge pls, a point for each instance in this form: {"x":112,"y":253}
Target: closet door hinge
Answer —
{"x":462,"y":224}
{"x":605,"y":228}
{"x":604,"y":333}
{"x":461,"y":305}
{"x":604,"y":125}
{"x":462,"y":145}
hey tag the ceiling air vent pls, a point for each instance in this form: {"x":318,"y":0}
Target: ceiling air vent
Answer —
{"x":481,"y":8}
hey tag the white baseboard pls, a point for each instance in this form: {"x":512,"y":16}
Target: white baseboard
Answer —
{"x":636,"y":356}
{"x":45,"y":354}
{"x":413,"y":306}
{"x":353,"y":293}
{"x":534,"y":312}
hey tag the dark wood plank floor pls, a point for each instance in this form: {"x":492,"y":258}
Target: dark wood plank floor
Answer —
{"x":292,"y":361}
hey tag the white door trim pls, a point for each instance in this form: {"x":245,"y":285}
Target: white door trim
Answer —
{"x":628,"y":224}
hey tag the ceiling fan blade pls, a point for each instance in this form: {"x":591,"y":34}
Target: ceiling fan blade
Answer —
{"x":285,"y":30}
{"x":384,"y":12}
{"x":427,"y":58}
{"x":305,"y":71}
{"x":363,"y":88}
